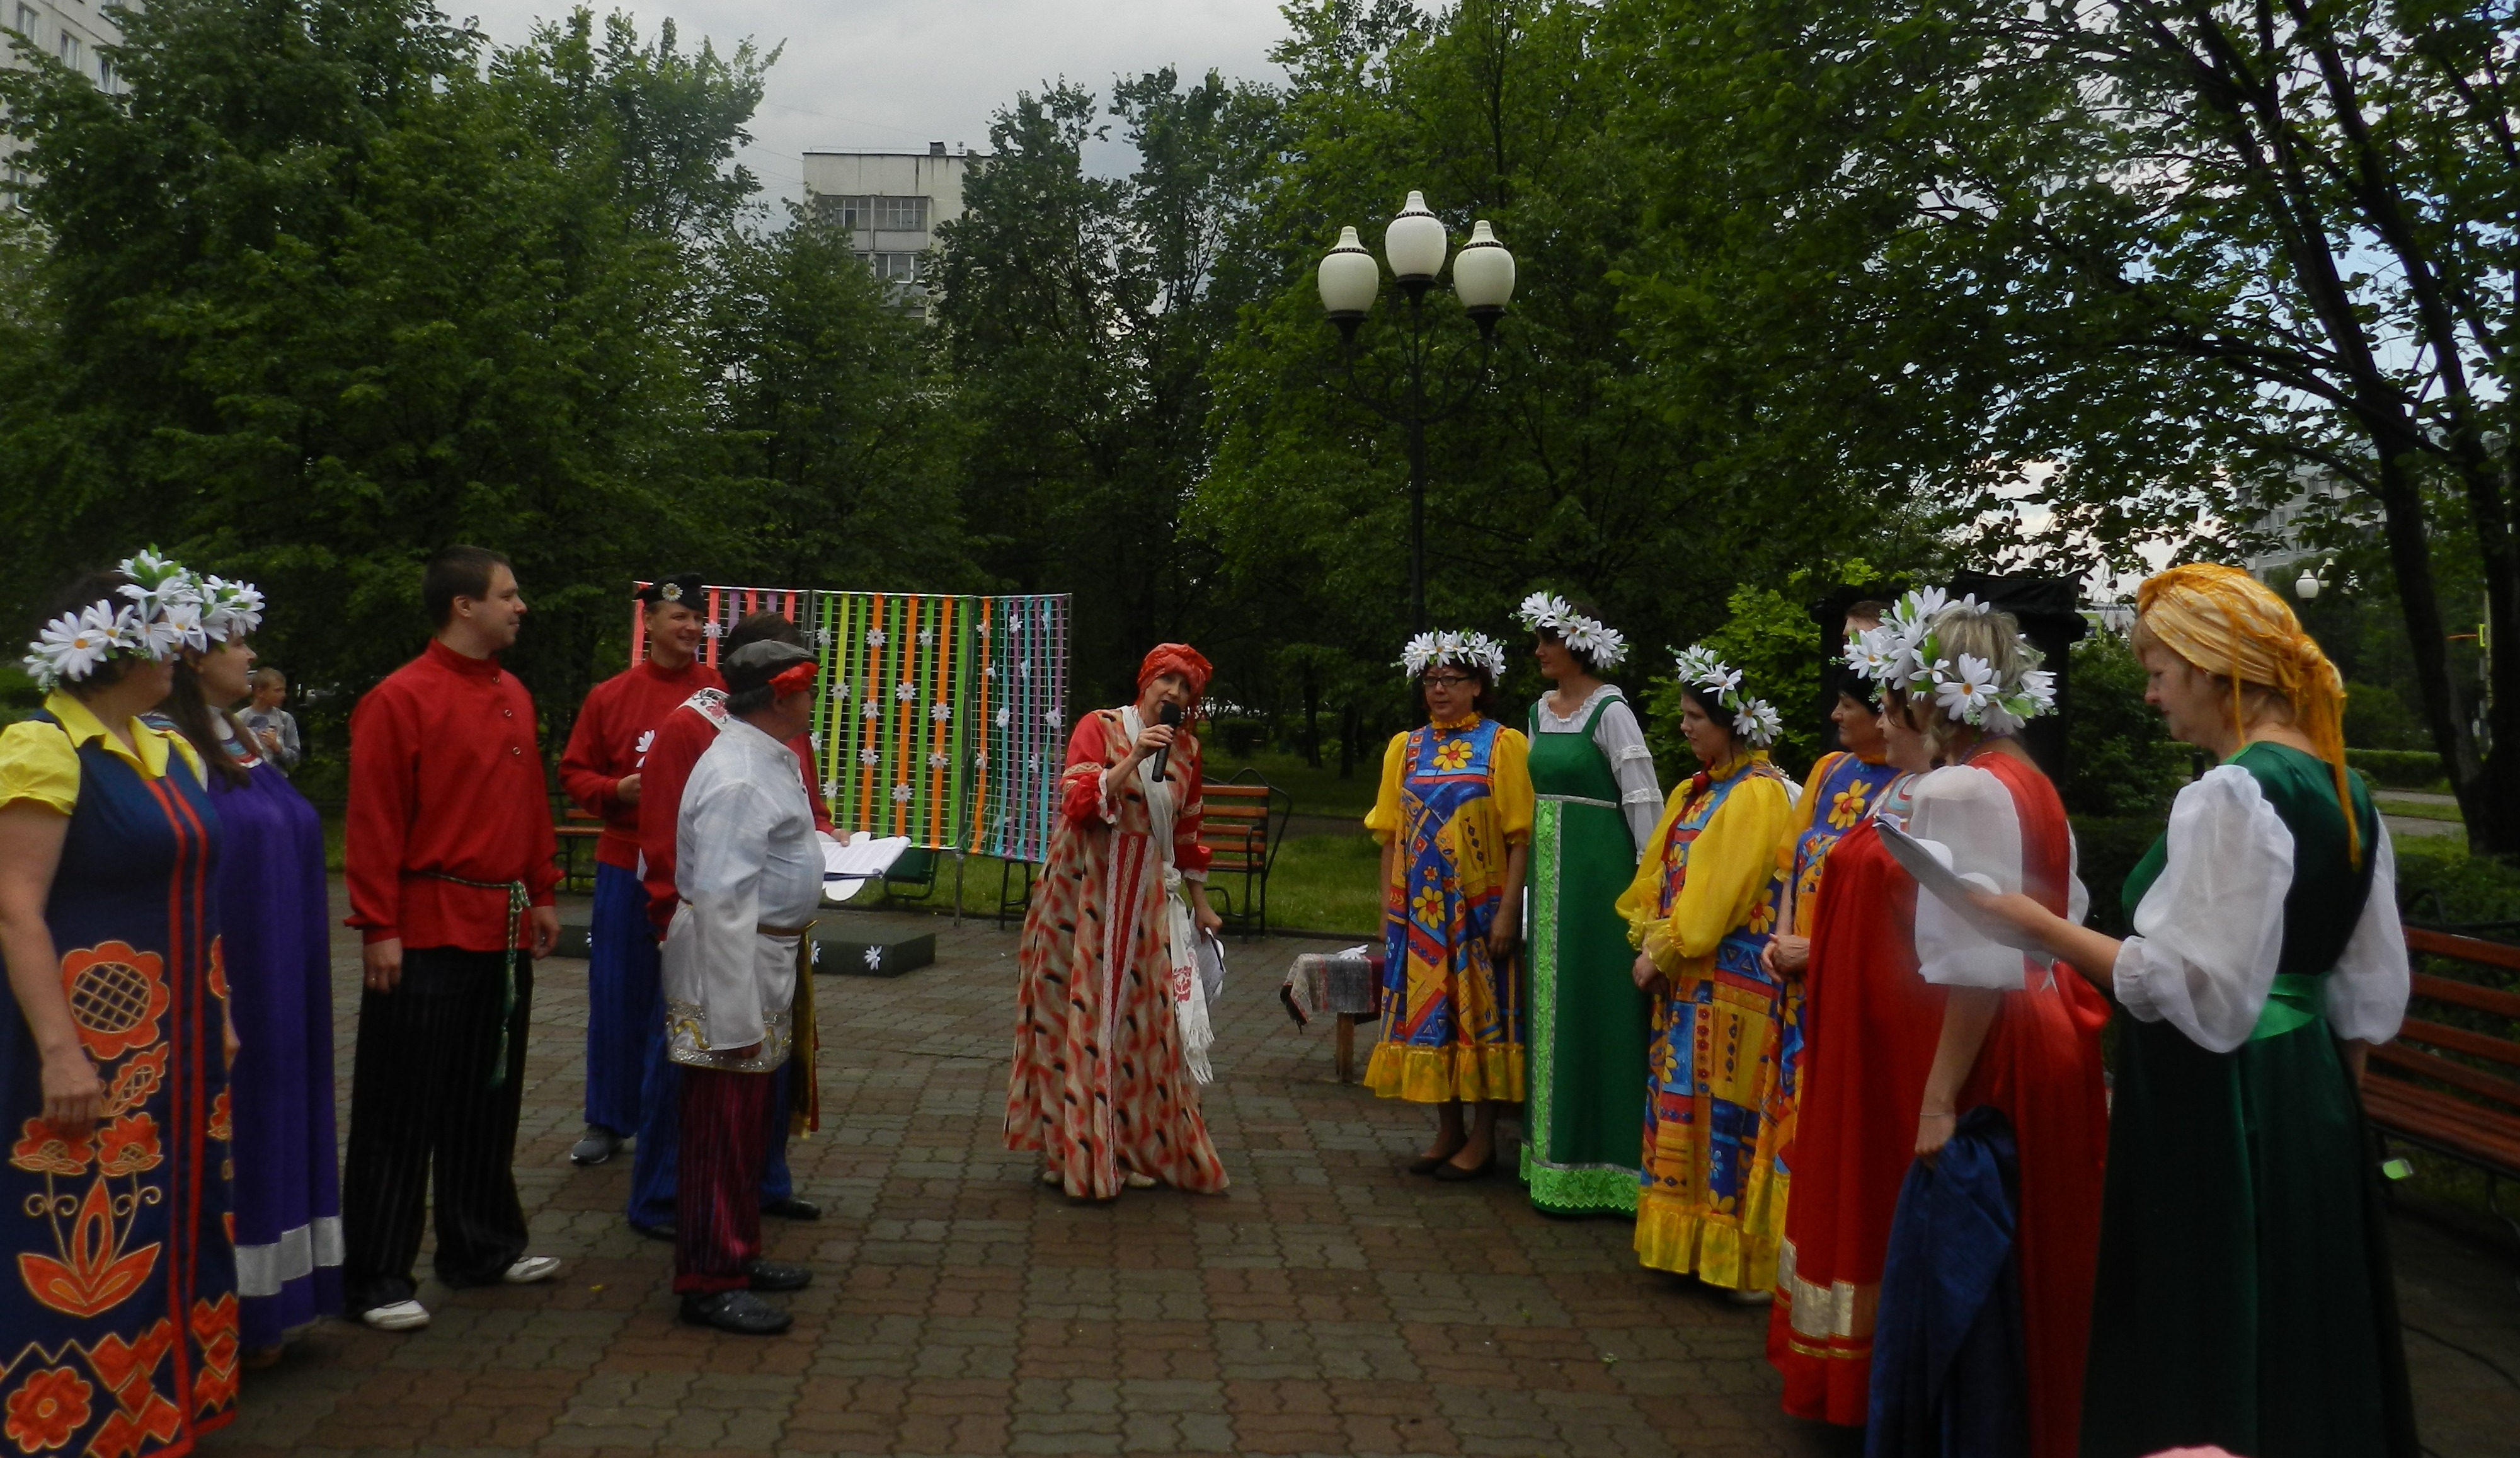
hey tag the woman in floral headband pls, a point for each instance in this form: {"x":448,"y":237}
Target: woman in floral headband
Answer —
{"x":277,"y":944}
{"x":1454,"y":817}
{"x":2012,"y":1048}
{"x":1598,"y":801}
{"x":113,"y":1202}
{"x":1711,"y":1200}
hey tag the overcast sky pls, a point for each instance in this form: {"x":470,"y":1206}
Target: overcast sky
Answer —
{"x":881,"y":75}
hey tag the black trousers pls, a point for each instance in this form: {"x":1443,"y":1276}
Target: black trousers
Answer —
{"x":421,"y":1097}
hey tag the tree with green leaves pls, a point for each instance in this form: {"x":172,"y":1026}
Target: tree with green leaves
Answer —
{"x":1078,"y":315}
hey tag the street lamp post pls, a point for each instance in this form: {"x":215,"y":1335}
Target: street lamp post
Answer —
{"x":1349,"y":278}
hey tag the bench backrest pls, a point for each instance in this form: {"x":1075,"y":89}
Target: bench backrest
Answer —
{"x":2418,"y":1034}
{"x":1236,"y":826}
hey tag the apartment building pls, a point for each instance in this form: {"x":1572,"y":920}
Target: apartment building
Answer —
{"x":891,"y":203}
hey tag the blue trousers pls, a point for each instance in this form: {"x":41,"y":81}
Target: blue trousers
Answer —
{"x":658,"y":1155}
{"x":624,"y":1005}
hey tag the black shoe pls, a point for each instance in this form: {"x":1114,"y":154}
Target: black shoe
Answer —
{"x":596,"y":1146}
{"x":663,"y":1233}
{"x":1451,"y":1173}
{"x":793,"y":1208}
{"x":738,"y":1311}
{"x":778,"y":1275}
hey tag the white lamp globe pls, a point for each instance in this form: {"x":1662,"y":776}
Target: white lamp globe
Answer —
{"x":1349,"y":278}
{"x":1416,"y":244}
{"x":2305,"y":586}
{"x":1483,"y":272}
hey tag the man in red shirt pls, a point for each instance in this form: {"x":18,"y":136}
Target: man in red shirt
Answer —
{"x":685,"y":735}
{"x":449,"y":862}
{"x":601,"y":772}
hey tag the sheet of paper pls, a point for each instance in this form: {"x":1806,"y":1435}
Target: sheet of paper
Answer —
{"x":1927,"y":862}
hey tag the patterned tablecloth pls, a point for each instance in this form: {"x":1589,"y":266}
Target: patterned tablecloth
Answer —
{"x":1343,"y":981}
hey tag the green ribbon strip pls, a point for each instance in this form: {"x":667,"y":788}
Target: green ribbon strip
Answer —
{"x":2295,"y":1000}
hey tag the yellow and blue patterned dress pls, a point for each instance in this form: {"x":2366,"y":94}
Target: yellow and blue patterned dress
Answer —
{"x":1726,"y":1037}
{"x":1454,"y":798}
{"x":1840,"y":791}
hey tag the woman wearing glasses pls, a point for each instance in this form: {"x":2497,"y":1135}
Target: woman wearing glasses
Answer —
{"x":1454,"y":817}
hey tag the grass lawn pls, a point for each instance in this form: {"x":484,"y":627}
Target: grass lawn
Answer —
{"x":2414,"y":810}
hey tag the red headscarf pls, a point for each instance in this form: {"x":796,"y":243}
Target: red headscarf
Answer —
{"x":1180,"y":658}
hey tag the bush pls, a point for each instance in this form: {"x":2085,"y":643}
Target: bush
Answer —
{"x":2378,"y":716}
{"x":2401,"y":769}
{"x":2123,"y":762}
{"x":2438,"y":883}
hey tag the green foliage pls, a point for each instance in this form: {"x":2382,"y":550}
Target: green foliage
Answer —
{"x":2121,"y":761}
{"x":2399,"y":769}
{"x":1078,"y":314}
{"x":2109,"y":845}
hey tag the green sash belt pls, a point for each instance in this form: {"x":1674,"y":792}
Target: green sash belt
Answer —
{"x":2294,"y":1001}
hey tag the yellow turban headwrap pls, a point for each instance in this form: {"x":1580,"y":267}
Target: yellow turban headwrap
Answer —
{"x":2225,"y":621}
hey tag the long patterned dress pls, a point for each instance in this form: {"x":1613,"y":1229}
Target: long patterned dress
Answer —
{"x":1727,"y":1038}
{"x":1587,"y":1021}
{"x":1099,"y":1083}
{"x":1454,"y":798}
{"x":119,"y":1321}
{"x":1840,"y":791}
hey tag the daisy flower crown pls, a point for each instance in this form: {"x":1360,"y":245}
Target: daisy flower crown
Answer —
{"x":1907,"y":653}
{"x":1754,"y":719}
{"x":1595,"y":642}
{"x":1466,"y":650}
{"x":163,"y":610}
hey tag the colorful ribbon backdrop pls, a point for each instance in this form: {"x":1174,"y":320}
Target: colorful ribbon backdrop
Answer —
{"x":942,"y":718}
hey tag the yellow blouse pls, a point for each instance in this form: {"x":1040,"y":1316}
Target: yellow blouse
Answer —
{"x":1731,"y":865}
{"x":40,"y":762}
{"x":1508,"y":786}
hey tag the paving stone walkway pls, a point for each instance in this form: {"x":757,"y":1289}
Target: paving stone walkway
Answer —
{"x":1328,"y":1304}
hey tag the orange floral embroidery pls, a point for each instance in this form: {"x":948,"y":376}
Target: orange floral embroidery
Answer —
{"x":126,"y":1369}
{"x":118,"y":994}
{"x":219,"y":967}
{"x":219,"y":1127}
{"x":50,"y":1407}
{"x":138,"y":1079}
{"x":95,"y":1275}
{"x":129,"y":1145}
{"x":1847,"y":807}
{"x":43,"y":1150}
{"x":214,"y":1326}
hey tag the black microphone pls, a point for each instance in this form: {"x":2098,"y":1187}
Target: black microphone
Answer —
{"x":1170,"y":717}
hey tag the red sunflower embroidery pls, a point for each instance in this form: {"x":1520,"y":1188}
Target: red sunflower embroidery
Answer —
{"x":118,"y":994}
{"x":50,"y":1407}
{"x":129,"y":1145}
{"x":220,"y":1127}
{"x":43,"y":1150}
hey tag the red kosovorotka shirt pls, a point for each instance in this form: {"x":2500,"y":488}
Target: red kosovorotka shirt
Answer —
{"x":446,"y":779}
{"x":685,"y":735}
{"x":1101,"y":743}
{"x":611,"y":735}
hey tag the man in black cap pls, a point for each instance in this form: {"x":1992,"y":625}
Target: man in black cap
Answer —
{"x":601,"y":771}
{"x":748,"y":875}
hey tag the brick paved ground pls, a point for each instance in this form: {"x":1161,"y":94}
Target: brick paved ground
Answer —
{"x":1327,"y":1304}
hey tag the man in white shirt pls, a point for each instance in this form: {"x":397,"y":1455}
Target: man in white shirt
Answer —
{"x":749,"y":873}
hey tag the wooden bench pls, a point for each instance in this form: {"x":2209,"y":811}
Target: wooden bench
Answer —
{"x":2427,"y":1089}
{"x":1245,"y":821}
{"x":576,"y":828}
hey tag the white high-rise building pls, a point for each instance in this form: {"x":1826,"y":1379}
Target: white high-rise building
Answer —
{"x":890,"y":203}
{"x":75,"y":32}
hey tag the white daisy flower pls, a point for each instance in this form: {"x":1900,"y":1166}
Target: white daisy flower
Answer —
{"x":904,"y":692}
{"x":74,"y":642}
{"x":938,"y":760}
{"x":901,"y":795}
{"x":869,"y":709}
{"x":1757,"y":721}
{"x":1963,"y":691}
{"x":940,"y":713}
{"x":874,"y":638}
{"x":1002,"y":718}
{"x":868,"y":756}
{"x":927,"y":637}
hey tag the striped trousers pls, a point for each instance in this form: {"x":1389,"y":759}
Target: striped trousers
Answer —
{"x":718,"y":1201}
{"x":421,"y":1100}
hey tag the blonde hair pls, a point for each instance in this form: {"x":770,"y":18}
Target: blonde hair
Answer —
{"x":2227,"y":624}
{"x":1981,"y":633}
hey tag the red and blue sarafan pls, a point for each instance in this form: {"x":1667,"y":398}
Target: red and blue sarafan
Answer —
{"x":119,"y":1307}
{"x":1451,"y":1017}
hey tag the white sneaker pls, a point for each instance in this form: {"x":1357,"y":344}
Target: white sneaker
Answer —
{"x":531,"y":1268}
{"x":401,"y":1316}
{"x":1136,"y":1181}
{"x":1750,"y":1297}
